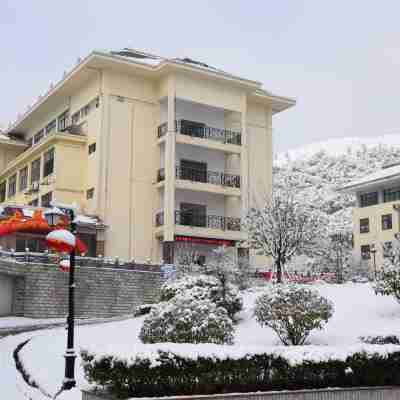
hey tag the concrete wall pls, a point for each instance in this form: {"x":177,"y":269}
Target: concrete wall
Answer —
{"x":373,"y":393}
{"x":41,"y":291}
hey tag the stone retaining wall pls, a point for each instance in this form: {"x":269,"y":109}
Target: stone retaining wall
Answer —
{"x":41,"y":291}
{"x":373,"y":393}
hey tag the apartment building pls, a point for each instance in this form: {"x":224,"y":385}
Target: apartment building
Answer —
{"x":376,"y":219}
{"x":168,"y":153}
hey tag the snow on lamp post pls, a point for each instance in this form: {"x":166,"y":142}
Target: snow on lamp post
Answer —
{"x":373,"y":251}
{"x":62,"y":240}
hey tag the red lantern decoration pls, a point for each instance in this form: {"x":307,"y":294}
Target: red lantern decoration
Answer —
{"x":61,"y":240}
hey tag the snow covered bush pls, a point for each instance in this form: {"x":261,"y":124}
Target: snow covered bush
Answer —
{"x":292,"y":312}
{"x":187,"y":319}
{"x":204,"y":287}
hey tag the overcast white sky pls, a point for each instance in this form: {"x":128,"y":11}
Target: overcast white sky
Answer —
{"x":339,"y":59}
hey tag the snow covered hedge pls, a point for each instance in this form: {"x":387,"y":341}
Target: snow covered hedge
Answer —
{"x":292,"y":312}
{"x":168,"y":374}
{"x":187,"y":319}
{"x":204,"y":287}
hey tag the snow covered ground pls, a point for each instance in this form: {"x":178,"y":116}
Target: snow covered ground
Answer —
{"x":358,"y":312}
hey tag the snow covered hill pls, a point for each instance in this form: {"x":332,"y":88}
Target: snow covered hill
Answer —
{"x":318,"y":169}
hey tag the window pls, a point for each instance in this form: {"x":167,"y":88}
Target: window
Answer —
{"x":23,"y":178}
{"x":34,"y":203}
{"x":386,"y":222}
{"x":12,"y":185}
{"x":38,"y":137}
{"x":365,"y":252}
{"x":193,"y":215}
{"x":63,"y":121}
{"x":35,"y":170}
{"x":90,"y":193}
{"x":193,"y":171}
{"x":75,"y":118}
{"x":364,"y":225}
{"x":92,"y":148}
{"x":50,"y":126}
{"x":85,"y":110}
{"x":48,"y":163}
{"x":391,"y":194}
{"x":46,"y":199}
{"x":368,"y":199}
{"x":34,"y":244}
{"x":3,"y":188}
{"x":387,"y":249}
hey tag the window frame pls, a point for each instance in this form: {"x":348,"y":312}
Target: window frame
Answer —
{"x":47,"y":172}
{"x":12,"y":186}
{"x":364,"y":228}
{"x":369,"y":199}
{"x":47,"y":196}
{"x":89,"y":193}
{"x":22,"y":181}
{"x":39,"y":161}
{"x":384,"y":222}
{"x":366,"y":254}
{"x":3,"y":191}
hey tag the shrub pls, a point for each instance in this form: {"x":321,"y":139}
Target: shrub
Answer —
{"x":292,"y":312}
{"x":168,"y":374}
{"x":186,"y":319}
{"x":142,"y":310}
{"x":390,"y":339}
{"x":202,"y":287}
{"x":388,"y":283}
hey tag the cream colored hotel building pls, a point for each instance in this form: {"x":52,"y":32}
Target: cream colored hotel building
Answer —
{"x":376,"y":221}
{"x":168,"y":153}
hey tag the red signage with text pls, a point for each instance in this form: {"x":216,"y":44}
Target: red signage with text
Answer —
{"x":197,"y":240}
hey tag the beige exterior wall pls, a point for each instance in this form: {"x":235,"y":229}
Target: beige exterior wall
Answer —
{"x":123,"y":169}
{"x":376,"y":235}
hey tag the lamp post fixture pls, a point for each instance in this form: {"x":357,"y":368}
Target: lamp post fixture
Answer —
{"x":373,"y":251}
{"x":53,"y":216}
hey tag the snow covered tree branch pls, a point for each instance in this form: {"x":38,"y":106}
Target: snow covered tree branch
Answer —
{"x":284,"y":226}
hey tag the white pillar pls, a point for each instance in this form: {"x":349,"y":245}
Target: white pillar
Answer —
{"x":170,"y":144}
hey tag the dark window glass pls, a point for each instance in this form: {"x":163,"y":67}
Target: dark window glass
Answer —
{"x":34,"y":203}
{"x":90,"y":241}
{"x":50,"y":126}
{"x":35,"y":170}
{"x":386,"y":222}
{"x":90,"y":193}
{"x":75,"y":117}
{"x":193,"y":171}
{"x":92,"y":148}
{"x":192,"y":128}
{"x":38,"y":137}
{"x":193,"y":215}
{"x":63,"y":121}
{"x":368,"y":199}
{"x":23,"y":178}
{"x":364,"y":225}
{"x":365,"y":252}
{"x":3,"y":189}
{"x":392,"y":194}
{"x":46,"y":199}
{"x":12,"y":185}
{"x":48,"y":163}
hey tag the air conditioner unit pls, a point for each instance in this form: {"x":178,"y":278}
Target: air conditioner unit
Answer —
{"x":35,"y":187}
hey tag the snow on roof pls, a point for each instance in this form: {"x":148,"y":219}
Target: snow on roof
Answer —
{"x":378,"y":177}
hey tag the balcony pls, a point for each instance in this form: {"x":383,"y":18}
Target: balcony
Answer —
{"x":203,"y":176}
{"x":202,"y":131}
{"x":202,"y":221}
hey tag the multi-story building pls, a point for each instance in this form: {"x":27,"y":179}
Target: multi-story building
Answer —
{"x":169,"y":153}
{"x":376,"y":219}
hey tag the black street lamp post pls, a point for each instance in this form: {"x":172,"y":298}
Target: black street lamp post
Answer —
{"x":70,"y":356}
{"x":52,"y":216}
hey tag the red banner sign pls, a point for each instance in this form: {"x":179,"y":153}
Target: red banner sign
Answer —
{"x":197,"y":240}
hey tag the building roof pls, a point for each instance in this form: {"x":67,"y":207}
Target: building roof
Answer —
{"x":385,"y":175}
{"x":148,"y":64}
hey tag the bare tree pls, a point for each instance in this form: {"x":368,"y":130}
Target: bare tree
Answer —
{"x":283,"y":227}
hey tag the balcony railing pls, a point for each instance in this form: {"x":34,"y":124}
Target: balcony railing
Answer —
{"x":189,"y":128}
{"x":202,"y":221}
{"x":204,"y":176}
